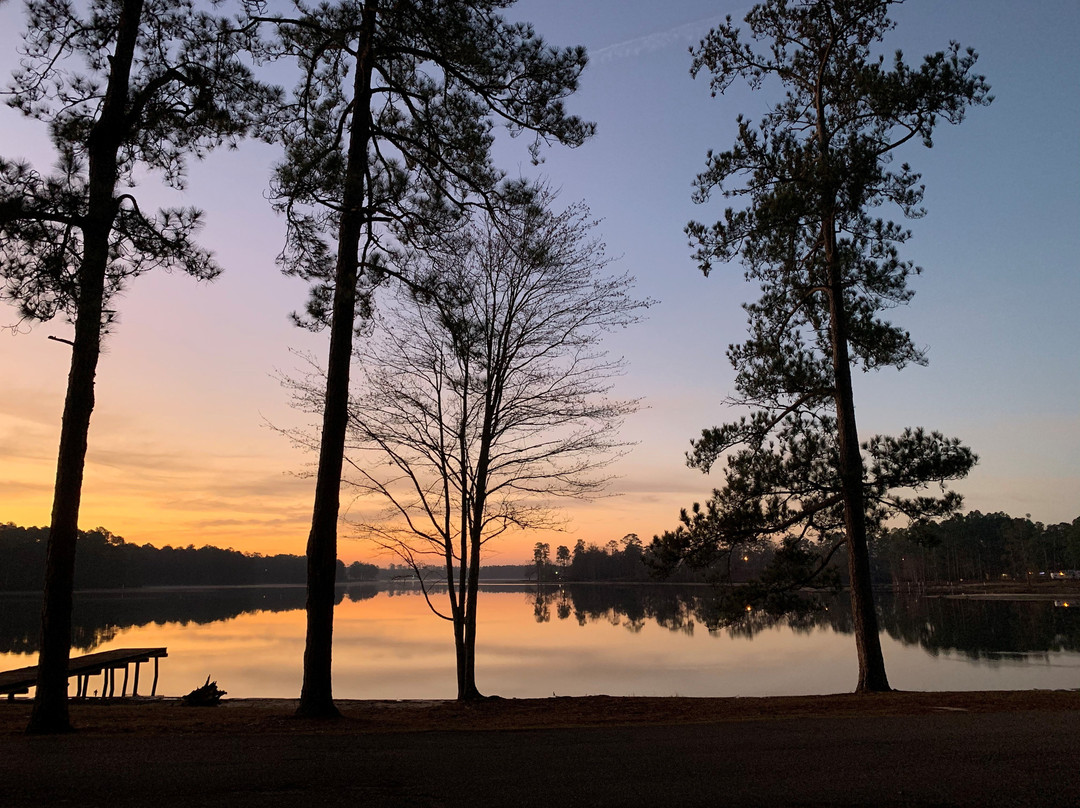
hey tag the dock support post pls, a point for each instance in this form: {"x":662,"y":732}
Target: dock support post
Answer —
{"x":153,"y":688}
{"x":135,"y":684}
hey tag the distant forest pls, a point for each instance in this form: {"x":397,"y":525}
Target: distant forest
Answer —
{"x":977,"y":547}
{"x":967,"y":547}
{"x":107,"y":561}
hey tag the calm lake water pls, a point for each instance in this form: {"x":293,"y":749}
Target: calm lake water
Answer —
{"x":578,"y":640}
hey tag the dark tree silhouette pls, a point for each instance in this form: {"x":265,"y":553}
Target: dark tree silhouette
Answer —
{"x":484,"y":396}
{"x":811,"y":173}
{"x":390,"y":135}
{"x":978,"y":547}
{"x":541,"y":559}
{"x":124,"y":86}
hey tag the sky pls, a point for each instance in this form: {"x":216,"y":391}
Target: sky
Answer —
{"x":186,"y":443}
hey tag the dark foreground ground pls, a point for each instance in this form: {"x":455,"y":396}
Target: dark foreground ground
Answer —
{"x":890,"y":750}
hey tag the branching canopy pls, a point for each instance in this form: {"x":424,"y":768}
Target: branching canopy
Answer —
{"x":483,"y":391}
{"x":443,"y":75}
{"x":810,"y":176}
{"x":189,"y":91}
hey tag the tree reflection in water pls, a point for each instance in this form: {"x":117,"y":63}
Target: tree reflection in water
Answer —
{"x":984,"y":629}
{"x":976,"y":628}
{"x":99,"y":616}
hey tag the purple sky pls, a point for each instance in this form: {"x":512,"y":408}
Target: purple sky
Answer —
{"x":180,"y":447}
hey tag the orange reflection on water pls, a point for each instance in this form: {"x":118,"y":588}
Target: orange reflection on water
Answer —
{"x":390,"y":646}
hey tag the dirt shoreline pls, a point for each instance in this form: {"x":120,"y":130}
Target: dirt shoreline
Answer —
{"x":157,"y":716}
{"x":895,"y":749}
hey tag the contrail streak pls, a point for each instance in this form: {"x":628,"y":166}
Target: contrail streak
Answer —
{"x":687,"y":34}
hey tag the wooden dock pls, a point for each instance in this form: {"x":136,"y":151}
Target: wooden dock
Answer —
{"x":107,"y":663}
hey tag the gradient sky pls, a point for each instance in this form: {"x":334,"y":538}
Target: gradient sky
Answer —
{"x":182,"y":450}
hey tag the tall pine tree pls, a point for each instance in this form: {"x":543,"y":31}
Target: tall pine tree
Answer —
{"x":124,"y":86}
{"x":389,"y":135}
{"x":811,"y":173}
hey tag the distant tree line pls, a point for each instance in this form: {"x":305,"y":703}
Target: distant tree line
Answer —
{"x":976,"y":547}
{"x":965,"y":547}
{"x":618,"y":560}
{"x":971,"y":547}
{"x":107,"y":561}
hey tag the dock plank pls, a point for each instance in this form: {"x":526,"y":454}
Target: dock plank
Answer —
{"x":20,"y":680}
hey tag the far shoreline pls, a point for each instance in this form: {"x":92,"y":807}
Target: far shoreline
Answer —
{"x":1038,"y":589}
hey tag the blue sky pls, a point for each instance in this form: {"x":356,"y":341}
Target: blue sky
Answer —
{"x":180,"y":447}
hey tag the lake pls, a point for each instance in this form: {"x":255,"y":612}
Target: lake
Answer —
{"x":574,"y":640}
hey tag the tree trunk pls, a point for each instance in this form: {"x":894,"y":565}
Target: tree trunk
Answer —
{"x":867,"y":641}
{"x":468,"y":690}
{"x":459,"y":651}
{"x":50,"y":711}
{"x":872,"y":676}
{"x":316,"y":695}
{"x":476,"y":528}
{"x":455,"y":593}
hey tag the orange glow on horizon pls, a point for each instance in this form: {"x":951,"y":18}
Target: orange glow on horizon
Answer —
{"x":173,"y":511}
{"x":238,"y":491}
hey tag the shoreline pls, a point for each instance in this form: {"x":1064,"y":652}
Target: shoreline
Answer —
{"x":275,"y":715}
{"x":1037,"y":588}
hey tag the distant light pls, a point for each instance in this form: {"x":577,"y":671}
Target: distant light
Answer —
{"x":749,"y":608}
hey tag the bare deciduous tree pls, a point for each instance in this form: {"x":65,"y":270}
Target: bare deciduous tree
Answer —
{"x":390,"y":132}
{"x":485,"y":398}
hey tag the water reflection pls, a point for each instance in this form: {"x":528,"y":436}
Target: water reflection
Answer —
{"x":588,"y":638}
{"x":976,"y":628}
{"x":98,"y":617}
{"x":984,"y":629}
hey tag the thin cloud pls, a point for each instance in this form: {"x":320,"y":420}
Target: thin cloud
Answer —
{"x":26,"y":448}
{"x":683,"y":35}
{"x":35,"y":406}
{"x":248,"y":523}
{"x":22,"y":488}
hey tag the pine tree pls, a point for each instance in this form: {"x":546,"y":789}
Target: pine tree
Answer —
{"x":124,"y":86}
{"x":390,"y":135}
{"x":811,"y":173}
